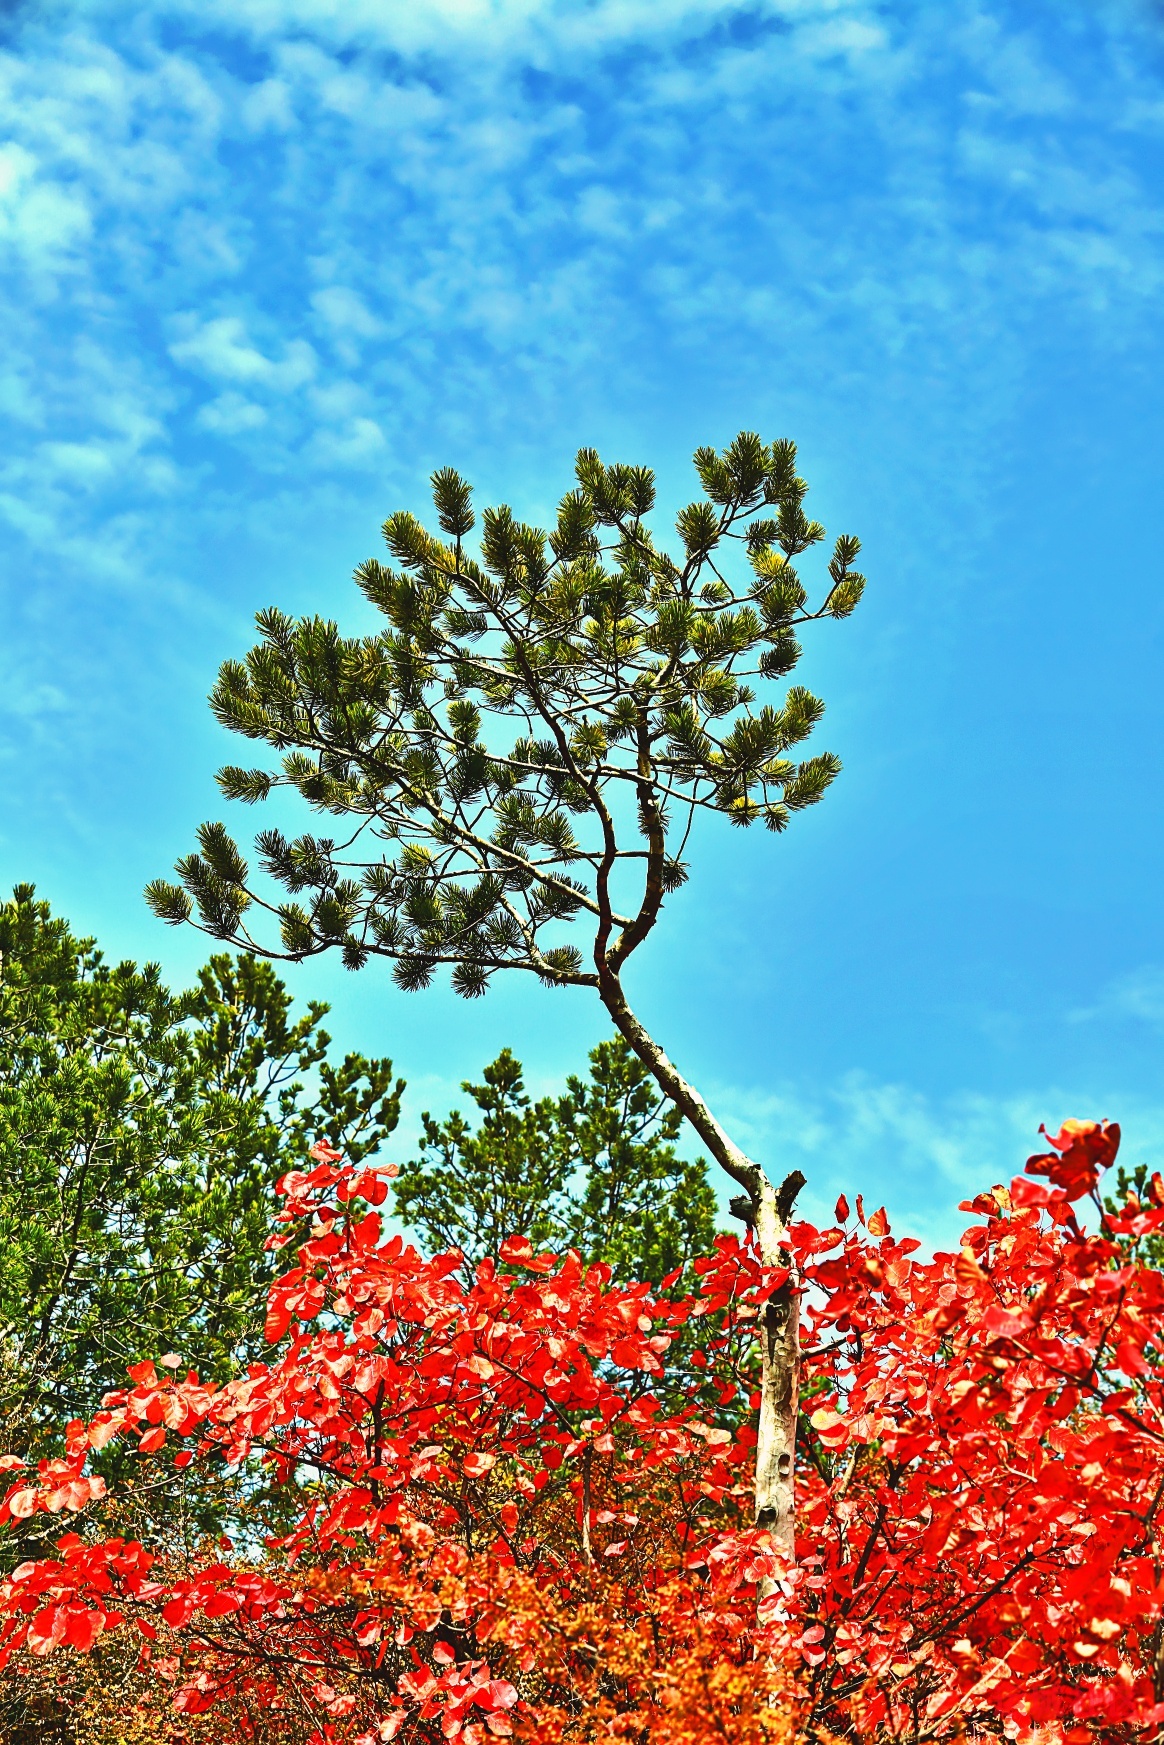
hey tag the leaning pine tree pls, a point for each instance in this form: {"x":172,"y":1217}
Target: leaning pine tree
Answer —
{"x":522,"y":752}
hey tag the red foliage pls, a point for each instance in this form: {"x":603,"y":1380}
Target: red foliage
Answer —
{"x":495,"y":1530}
{"x":1082,"y":1150}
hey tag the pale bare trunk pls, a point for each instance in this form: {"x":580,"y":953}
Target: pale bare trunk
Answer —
{"x":779,"y":1334}
{"x":766,"y":1210}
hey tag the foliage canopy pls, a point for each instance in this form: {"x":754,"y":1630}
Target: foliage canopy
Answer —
{"x":496,"y":1530}
{"x":142,"y":1132}
{"x":530,"y":738}
{"x":594,"y":1169}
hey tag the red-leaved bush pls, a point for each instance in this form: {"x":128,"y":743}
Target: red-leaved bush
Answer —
{"x":493,"y":1529}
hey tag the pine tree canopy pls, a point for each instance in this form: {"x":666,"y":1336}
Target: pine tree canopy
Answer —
{"x":141,"y":1133}
{"x":594,"y":1169}
{"x":526,"y":743}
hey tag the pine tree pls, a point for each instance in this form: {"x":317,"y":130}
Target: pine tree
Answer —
{"x":141,"y":1133}
{"x":595,"y":1169}
{"x":522,"y":752}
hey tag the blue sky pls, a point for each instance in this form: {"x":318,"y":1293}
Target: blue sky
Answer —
{"x":265,"y":264}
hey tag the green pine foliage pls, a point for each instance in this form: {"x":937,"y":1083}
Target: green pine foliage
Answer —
{"x":528,"y":739}
{"x":140,"y":1133}
{"x":595,"y":1169}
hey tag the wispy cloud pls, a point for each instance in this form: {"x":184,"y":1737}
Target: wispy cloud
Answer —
{"x":918,"y":1152}
{"x":389,"y":190}
{"x":221,"y":351}
{"x":1137,"y":996}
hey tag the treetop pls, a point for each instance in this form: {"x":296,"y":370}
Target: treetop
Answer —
{"x":528,"y":739}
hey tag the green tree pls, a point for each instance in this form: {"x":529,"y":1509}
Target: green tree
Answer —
{"x":1145,"y":1188}
{"x":523,"y":750}
{"x":595,"y":1169}
{"x":140,"y":1132}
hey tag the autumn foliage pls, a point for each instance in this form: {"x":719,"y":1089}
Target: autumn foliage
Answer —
{"x":488,"y":1527}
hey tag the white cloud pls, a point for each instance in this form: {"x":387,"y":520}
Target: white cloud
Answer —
{"x":16,"y":165}
{"x":894,"y":1144}
{"x":337,"y":400}
{"x":852,"y":38}
{"x":221,"y":350}
{"x":87,"y":464}
{"x":604,"y":212}
{"x":358,"y":443}
{"x":36,"y":521}
{"x":345,"y":311}
{"x":230,"y":414}
{"x":38,"y":220}
{"x":481,"y":209}
{"x":1139,"y":995}
{"x":500,"y":27}
{"x":269,"y":104}
{"x":29,"y":702}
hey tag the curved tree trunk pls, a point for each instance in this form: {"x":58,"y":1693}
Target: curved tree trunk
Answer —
{"x":766,"y":1210}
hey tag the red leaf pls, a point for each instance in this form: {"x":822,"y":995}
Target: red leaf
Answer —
{"x":517,"y":1251}
{"x":1082,"y":1150}
{"x":322,"y":1152}
{"x":82,"y":1628}
{"x":953,"y":1435}
{"x":102,"y":1431}
{"x":47,"y":1630}
{"x":830,"y":1427}
{"x":968,"y":1275}
{"x":501,"y":1694}
{"x":947,"y":1315}
{"x":1025,"y":1193}
{"x":277,"y":1322}
{"x":1130,"y":1359}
